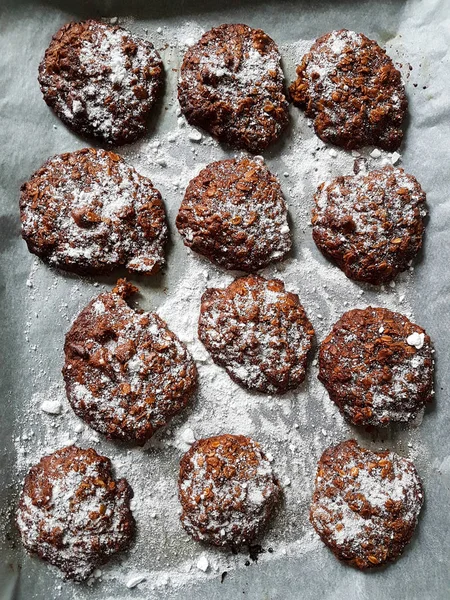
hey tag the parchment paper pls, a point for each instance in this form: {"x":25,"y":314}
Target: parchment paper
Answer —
{"x":38,"y":303}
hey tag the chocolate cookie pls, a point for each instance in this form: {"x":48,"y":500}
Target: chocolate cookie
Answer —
{"x":370,"y":225}
{"x":365,"y":504}
{"x":126,"y":373}
{"x":89,"y":212}
{"x":258,"y":332}
{"x":227,"y":490}
{"x":350,"y":87}
{"x":72,"y":513}
{"x":232,"y":85}
{"x":234,"y":213}
{"x":377,"y":366}
{"x":101,"y":80}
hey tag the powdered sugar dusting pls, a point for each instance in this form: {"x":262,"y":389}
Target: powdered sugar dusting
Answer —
{"x":293,"y":429}
{"x":258,"y":332}
{"x":90,"y":211}
{"x":366,"y":503}
{"x":107,"y":85}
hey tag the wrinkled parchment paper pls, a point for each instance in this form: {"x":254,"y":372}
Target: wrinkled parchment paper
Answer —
{"x":38,"y":303}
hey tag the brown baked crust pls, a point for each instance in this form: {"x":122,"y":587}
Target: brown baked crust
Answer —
{"x":89,"y":212}
{"x":365,"y":504}
{"x":72,"y":513}
{"x":372,"y":370}
{"x":227,"y":490}
{"x":370,"y":225}
{"x":258,"y":332}
{"x":350,"y":87}
{"x":126,"y":373}
{"x":234,"y":213}
{"x":232,"y":85}
{"x":101,"y":80}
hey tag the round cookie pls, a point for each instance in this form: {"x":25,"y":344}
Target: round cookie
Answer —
{"x":365,"y":504}
{"x":126,"y":373}
{"x":89,"y":212}
{"x":350,"y":87}
{"x":227,"y":490}
{"x":370,"y":225}
{"x":234,"y":213}
{"x":258,"y":332}
{"x":72,"y":513}
{"x":101,"y":80}
{"x":232,"y":85}
{"x":377,"y":367}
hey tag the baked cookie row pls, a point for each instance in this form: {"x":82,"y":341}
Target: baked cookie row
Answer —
{"x":102,"y":82}
{"x":89,"y":212}
{"x":75,"y":515}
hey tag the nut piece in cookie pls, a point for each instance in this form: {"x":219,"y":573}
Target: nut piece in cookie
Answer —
{"x":365,"y":504}
{"x":126,"y":373}
{"x":101,"y":80}
{"x":350,"y":87}
{"x":234,"y":213}
{"x":370,"y":225}
{"x":89,"y":212}
{"x":258,"y":332}
{"x":72,"y":513}
{"x":232,"y":85}
{"x":227,"y":490}
{"x":377,"y":367}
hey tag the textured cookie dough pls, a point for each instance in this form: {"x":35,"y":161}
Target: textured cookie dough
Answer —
{"x":89,"y":212}
{"x":101,"y":80}
{"x":350,"y":87}
{"x":73,"y":513}
{"x":234,"y":213}
{"x":370,"y":225}
{"x":377,"y":366}
{"x":365,"y":504}
{"x":126,"y":373}
{"x":227,"y":490}
{"x":232,"y":85}
{"x":258,"y":332}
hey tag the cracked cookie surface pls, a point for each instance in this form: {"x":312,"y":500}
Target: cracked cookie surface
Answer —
{"x":101,"y":80}
{"x":126,"y":373}
{"x":89,"y":212}
{"x":350,"y":87}
{"x":232,"y":85}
